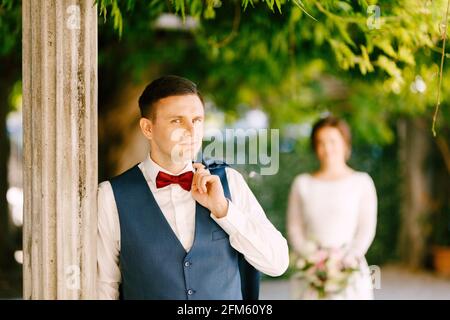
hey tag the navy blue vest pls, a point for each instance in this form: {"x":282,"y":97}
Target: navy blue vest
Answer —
{"x":154,"y":264}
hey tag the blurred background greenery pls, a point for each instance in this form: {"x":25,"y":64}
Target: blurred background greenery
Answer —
{"x":290,"y":62}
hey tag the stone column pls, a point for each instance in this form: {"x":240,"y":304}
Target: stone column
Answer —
{"x":60,"y":148}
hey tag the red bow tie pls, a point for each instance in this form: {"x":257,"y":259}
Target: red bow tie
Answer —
{"x":184,"y":180}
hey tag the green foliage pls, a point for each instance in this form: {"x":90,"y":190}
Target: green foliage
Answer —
{"x":115,"y":12}
{"x":10,"y":27}
{"x":289,"y":64}
{"x":195,"y":8}
{"x":271,"y":47}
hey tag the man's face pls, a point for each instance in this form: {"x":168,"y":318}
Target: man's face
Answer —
{"x":177,"y":127}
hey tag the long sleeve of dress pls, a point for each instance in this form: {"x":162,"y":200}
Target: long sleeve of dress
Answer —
{"x":295,"y":222}
{"x":367,"y":220}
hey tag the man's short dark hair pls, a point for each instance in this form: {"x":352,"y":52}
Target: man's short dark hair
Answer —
{"x":164,"y":87}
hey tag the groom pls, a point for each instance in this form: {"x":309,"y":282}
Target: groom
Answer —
{"x":169,"y":228}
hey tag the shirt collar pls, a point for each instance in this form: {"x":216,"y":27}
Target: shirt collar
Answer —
{"x":152,"y":168}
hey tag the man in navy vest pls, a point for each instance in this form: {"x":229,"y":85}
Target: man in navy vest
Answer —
{"x":169,"y":228}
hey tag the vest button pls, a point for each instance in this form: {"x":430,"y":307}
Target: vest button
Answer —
{"x":187,"y":264}
{"x":190,"y":292}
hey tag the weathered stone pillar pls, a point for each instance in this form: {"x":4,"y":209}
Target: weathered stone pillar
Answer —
{"x":60,"y":148}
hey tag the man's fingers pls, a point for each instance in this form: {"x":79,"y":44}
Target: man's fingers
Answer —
{"x":204,"y":180}
{"x":200,"y":171}
{"x":201,"y":182}
{"x":198,"y":165}
{"x":195,"y":180}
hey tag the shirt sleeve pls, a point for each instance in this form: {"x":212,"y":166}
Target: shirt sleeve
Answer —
{"x":367,"y":219}
{"x":108,"y":233}
{"x":250,"y":232}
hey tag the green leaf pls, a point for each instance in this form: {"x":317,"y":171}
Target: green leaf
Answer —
{"x":389,"y":66}
{"x":344,"y":6}
{"x":364,"y":62}
{"x":301,"y":6}
{"x":385,"y":45}
{"x":245,"y":4}
{"x":278,"y":3}
{"x":405,"y":54}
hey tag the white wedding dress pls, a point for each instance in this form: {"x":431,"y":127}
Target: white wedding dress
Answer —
{"x":334,"y":213}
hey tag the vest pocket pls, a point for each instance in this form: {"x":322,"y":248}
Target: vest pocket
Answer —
{"x":219,"y":234}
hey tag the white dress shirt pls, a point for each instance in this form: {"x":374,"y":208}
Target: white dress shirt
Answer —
{"x":249,"y":230}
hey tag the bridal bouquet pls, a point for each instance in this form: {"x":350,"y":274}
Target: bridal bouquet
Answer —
{"x":326,"y":271}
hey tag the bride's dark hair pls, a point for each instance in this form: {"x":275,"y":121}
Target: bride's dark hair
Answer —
{"x":332,"y":122}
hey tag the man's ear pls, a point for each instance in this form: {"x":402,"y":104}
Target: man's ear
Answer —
{"x":146,"y":127}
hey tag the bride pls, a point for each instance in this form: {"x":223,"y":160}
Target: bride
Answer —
{"x":335,"y":207}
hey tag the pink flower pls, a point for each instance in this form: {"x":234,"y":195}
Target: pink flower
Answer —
{"x":321,"y":265}
{"x":319,"y":256}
